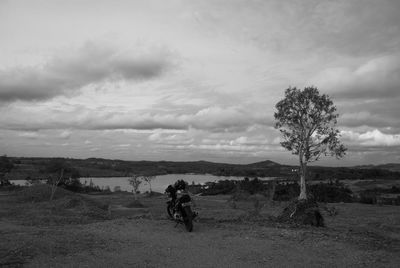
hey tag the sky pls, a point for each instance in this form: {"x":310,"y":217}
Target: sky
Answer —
{"x":182,"y":80}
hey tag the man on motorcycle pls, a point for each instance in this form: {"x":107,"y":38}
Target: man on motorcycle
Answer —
{"x":180,"y":186}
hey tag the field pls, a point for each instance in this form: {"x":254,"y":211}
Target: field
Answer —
{"x":102,"y":231}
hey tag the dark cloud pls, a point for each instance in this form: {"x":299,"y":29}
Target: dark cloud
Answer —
{"x":66,"y":74}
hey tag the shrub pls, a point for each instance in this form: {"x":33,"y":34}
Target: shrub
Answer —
{"x":368,"y":197}
{"x":246,"y":185}
{"x":321,"y":192}
{"x":40,"y":193}
{"x":286,"y":191}
{"x":220,"y":187}
{"x":331,"y":193}
{"x":252,"y":186}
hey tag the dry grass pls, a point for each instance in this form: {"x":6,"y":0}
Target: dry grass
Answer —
{"x":72,"y":231}
{"x":40,"y":193}
{"x":31,"y":206}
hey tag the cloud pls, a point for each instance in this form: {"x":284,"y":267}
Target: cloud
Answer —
{"x":66,"y":134}
{"x":30,"y":135}
{"x":91,"y":64}
{"x":219,"y":101}
{"x":124,"y":145}
{"x":355,"y":27}
{"x":371,"y":138}
{"x":365,"y":94}
{"x":362,"y":117}
{"x":213,"y":118}
{"x":378,"y":77}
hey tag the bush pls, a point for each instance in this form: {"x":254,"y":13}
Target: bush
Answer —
{"x":286,"y":191}
{"x":220,"y":187}
{"x":135,"y":204}
{"x":383,"y":196}
{"x":253,"y":186}
{"x":321,"y":192}
{"x":40,"y":193}
{"x":240,"y":195}
{"x":72,"y":184}
{"x":368,"y":197}
{"x":331,"y":193}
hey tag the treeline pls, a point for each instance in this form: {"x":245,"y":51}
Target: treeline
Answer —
{"x":330,"y":192}
{"x":97,"y":167}
{"x":344,"y":173}
{"x":325,"y":192}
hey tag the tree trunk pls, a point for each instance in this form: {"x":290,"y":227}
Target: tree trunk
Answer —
{"x":303,"y":171}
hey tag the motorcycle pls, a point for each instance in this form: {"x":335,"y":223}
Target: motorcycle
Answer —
{"x":179,"y":209}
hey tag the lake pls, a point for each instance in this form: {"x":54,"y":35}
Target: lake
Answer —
{"x":158,"y":184}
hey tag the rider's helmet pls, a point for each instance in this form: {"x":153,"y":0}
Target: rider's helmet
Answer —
{"x":171,"y":191}
{"x":180,"y":185}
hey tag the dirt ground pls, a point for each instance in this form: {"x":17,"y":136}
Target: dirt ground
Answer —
{"x":225,"y":235}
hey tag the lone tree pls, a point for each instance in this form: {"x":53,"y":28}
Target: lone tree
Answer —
{"x":60,"y":173}
{"x":307,"y":122}
{"x":135,"y":180}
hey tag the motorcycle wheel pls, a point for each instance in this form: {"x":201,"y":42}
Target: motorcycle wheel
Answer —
{"x":170,"y":211}
{"x":188,"y":219}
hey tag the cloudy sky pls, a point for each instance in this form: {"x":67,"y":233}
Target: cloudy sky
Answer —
{"x":194,"y":80}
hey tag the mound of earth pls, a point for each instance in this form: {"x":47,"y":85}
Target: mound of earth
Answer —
{"x":152,"y":194}
{"x":83,"y":206}
{"x":40,"y":193}
{"x":303,"y":212}
{"x":135,"y":204}
{"x":240,"y":195}
{"x":65,"y":208}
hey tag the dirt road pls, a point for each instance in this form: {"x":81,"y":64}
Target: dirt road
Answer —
{"x":156,"y":243}
{"x":217,"y":241}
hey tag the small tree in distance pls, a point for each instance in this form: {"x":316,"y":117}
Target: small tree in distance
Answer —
{"x":59,"y":173}
{"x":148,"y":179}
{"x":135,"y":180}
{"x":307,"y":122}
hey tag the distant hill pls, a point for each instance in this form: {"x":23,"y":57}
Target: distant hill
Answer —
{"x":30,"y":167}
{"x":390,"y":166}
{"x":264,"y":164}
